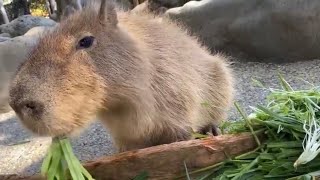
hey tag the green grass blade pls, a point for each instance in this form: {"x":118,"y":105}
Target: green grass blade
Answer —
{"x":75,"y":171}
{"x":56,"y":158}
{"x":286,"y":144}
{"x":246,"y":169}
{"x":248,"y":123}
{"x":187,"y":173}
{"x":285,"y":85}
{"x":46,"y":163}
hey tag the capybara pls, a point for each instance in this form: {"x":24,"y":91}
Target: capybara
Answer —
{"x":144,"y":77}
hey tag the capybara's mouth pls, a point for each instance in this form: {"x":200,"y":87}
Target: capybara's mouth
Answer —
{"x":46,"y":129}
{"x":39,"y":129}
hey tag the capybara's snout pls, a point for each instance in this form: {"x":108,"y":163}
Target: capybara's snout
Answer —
{"x":25,"y":104}
{"x":53,"y":107}
{"x":47,"y":94}
{"x":29,"y":107}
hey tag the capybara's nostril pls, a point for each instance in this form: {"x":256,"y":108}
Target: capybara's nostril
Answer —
{"x":30,"y":105}
{"x":31,"y":108}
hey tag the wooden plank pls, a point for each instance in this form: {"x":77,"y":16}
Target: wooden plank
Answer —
{"x":167,"y":161}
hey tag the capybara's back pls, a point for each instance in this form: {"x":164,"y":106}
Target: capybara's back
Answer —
{"x":144,"y":77}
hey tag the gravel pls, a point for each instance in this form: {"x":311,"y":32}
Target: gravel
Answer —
{"x":22,"y":153}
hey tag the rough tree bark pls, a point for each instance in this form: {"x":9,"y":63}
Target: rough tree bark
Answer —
{"x":167,"y":161}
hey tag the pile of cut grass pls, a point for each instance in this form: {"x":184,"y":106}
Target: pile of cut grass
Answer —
{"x":290,"y":120}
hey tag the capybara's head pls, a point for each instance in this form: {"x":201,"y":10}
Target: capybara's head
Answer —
{"x":59,"y":88}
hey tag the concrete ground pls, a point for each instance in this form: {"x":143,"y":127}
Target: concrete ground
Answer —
{"x":22,"y":153}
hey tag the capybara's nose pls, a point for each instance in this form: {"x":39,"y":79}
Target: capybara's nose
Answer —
{"x":25,"y":103}
{"x":29,"y":108}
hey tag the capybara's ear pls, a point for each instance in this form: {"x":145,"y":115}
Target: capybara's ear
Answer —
{"x":68,"y":11}
{"x":107,"y":13}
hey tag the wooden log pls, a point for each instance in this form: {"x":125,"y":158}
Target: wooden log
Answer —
{"x":167,"y":161}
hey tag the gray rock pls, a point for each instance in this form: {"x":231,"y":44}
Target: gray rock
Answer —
{"x":5,"y":35}
{"x":24,"y":23}
{"x":158,"y":6}
{"x":39,"y":30}
{"x":13,"y":52}
{"x":268,"y":30}
{"x":167,"y":3}
{"x":2,"y":39}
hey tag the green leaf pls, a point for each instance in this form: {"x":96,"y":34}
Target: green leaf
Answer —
{"x":56,"y":157}
{"x":46,"y":163}
{"x":286,"y":144}
{"x":72,"y":164}
{"x":285,"y":85}
{"x":187,"y":173}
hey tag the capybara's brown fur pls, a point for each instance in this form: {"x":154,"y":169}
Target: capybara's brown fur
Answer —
{"x":147,"y":80}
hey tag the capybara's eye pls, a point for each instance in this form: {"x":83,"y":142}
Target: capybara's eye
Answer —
{"x":86,"y":42}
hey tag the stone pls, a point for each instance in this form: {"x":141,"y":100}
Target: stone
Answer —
{"x":22,"y":24}
{"x":158,"y":6}
{"x":5,"y":35}
{"x":12,"y":53}
{"x":2,"y":39}
{"x":267,"y":31}
{"x":167,"y":3}
{"x":39,"y":30}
